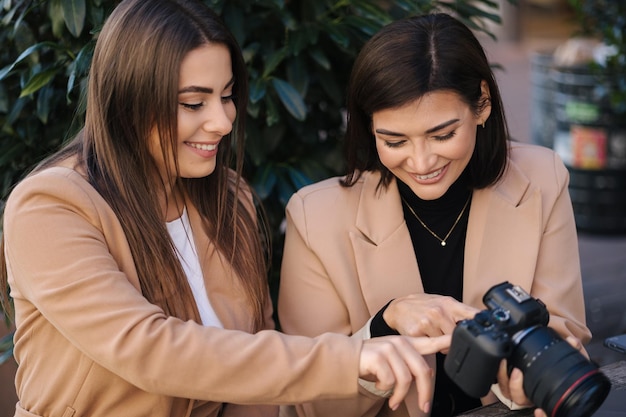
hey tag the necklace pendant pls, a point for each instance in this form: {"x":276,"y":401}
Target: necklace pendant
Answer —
{"x":443,"y":243}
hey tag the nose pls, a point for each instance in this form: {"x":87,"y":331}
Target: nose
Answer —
{"x":421,"y":159}
{"x":219,"y":118}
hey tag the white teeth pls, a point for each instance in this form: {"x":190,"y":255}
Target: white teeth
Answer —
{"x":203,"y":147}
{"x":431,"y":175}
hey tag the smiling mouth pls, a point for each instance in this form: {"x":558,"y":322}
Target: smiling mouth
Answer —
{"x":204,"y":146}
{"x":431,"y":175}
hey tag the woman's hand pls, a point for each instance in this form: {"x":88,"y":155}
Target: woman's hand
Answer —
{"x":512,"y":386}
{"x":394,"y":361}
{"x":426,"y":314}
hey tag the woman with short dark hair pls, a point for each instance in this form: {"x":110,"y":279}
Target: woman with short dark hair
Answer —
{"x":437,"y":206}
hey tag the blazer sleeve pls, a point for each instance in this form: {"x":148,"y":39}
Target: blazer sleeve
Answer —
{"x":59,"y":261}
{"x":557,"y":281}
{"x":309,"y":304}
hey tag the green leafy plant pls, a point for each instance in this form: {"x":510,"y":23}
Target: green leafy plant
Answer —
{"x":299,"y":54}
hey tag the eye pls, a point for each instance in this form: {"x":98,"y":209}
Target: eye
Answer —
{"x":229,"y":98}
{"x":192,"y":106}
{"x":394,"y":144}
{"x":446,"y":136}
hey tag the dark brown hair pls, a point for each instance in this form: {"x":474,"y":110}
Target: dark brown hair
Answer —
{"x":408,"y":59}
{"x":133,"y":88}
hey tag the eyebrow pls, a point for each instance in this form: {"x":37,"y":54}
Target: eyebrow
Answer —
{"x":431,"y":130}
{"x":205,"y":90}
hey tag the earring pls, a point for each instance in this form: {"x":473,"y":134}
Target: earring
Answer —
{"x":483,"y":124}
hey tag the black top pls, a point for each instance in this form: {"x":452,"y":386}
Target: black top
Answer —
{"x":441,"y":269}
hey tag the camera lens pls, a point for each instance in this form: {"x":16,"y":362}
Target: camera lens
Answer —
{"x":557,"y":378}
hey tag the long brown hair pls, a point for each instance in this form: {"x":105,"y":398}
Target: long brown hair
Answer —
{"x":408,"y":59}
{"x":133,"y":86}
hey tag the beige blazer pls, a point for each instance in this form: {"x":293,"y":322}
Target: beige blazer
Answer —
{"x":348,"y":252}
{"x":89,"y":344}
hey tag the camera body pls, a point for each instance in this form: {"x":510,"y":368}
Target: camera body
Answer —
{"x":557,"y":377}
{"x":479,"y":344}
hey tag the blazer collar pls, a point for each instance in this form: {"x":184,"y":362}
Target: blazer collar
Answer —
{"x":503,"y":235}
{"x":380,"y":211}
{"x":498,"y":228}
{"x":222,"y":283}
{"x":383,"y":251}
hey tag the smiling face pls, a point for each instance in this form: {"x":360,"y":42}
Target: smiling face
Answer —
{"x":428,"y":143}
{"x":206,"y":111}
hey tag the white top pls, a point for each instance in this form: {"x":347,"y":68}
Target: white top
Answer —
{"x":180,"y":232}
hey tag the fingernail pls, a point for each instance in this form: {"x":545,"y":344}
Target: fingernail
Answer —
{"x":426,"y":407}
{"x":393,"y":407}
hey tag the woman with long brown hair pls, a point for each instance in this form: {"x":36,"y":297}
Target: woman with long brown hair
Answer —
{"x":134,"y":255}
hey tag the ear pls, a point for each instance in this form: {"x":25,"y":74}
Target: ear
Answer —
{"x":484,"y":103}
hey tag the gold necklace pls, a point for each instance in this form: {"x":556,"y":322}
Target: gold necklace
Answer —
{"x":443,"y":241}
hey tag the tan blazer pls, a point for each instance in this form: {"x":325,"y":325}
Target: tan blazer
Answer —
{"x":348,"y":252}
{"x":89,"y":344}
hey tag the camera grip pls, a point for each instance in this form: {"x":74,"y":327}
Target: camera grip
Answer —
{"x":474,"y":357}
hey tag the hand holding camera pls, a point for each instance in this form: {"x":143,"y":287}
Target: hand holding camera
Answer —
{"x":557,"y":377}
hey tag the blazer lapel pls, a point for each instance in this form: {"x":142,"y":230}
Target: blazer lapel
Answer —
{"x":500,"y":244}
{"x":382,"y":246}
{"x":222,"y":283}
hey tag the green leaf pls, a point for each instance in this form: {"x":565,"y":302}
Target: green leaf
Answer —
{"x":264,"y":181}
{"x":4,"y":99}
{"x":285,"y":189}
{"x":365,"y":26}
{"x":30,"y":50}
{"x":298,"y":75}
{"x":80,"y":67}
{"x":298,"y":178}
{"x":338,"y":35}
{"x":55,"y":11}
{"x":16,"y":110}
{"x":297,"y":41}
{"x":44,"y":99}
{"x":250,"y":51}
{"x":373,"y":12}
{"x":291,"y":99}
{"x":289,"y":22}
{"x":467,"y":11}
{"x":271,"y":116}
{"x":253,"y":109}
{"x":8,"y":17}
{"x":412,"y":7}
{"x":273,"y":60}
{"x":320,"y":57}
{"x":258,"y":88}
{"x":39,"y":80}
{"x":74,"y":12}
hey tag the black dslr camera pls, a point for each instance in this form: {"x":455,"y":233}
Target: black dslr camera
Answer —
{"x":557,"y":378}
